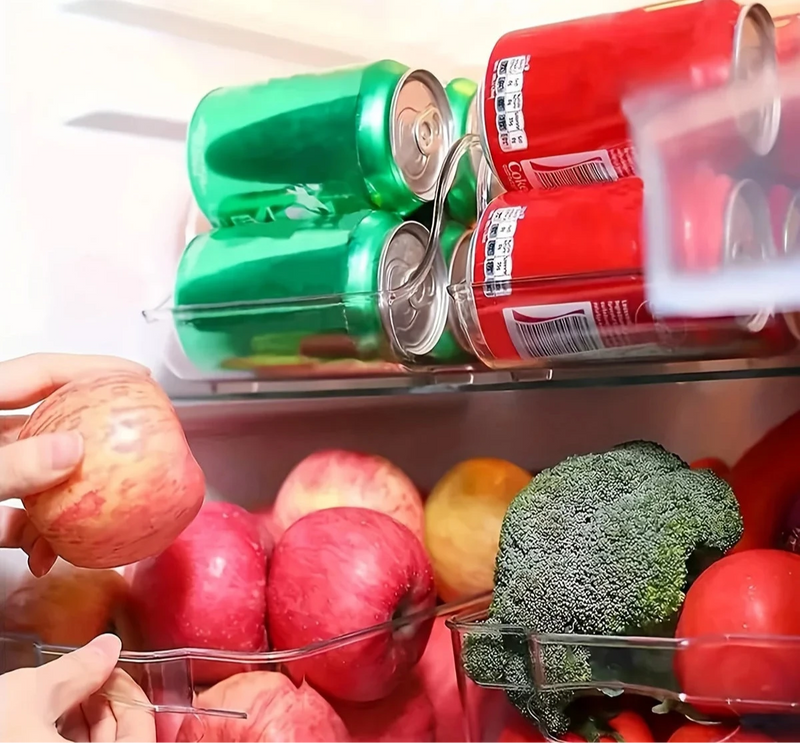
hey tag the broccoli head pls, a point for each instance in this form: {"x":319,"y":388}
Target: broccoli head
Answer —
{"x":600,"y":544}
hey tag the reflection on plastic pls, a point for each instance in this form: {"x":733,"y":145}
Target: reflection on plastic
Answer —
{"x":655,"y":667}
{"x":687,"y":151}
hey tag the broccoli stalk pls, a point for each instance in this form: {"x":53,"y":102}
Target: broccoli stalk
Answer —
{"x":600,"y":544}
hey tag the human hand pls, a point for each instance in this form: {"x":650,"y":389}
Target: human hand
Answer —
{"x":35,"y":464}
{"x":75,"y":698}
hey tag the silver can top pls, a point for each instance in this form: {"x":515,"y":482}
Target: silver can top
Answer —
{"x":791,"y":228}
{"x":457,"y":274}
{"x":755,"y":57}
{"x":421,"y":130}
{"x":473,"y":127}
{"x":748,"y":236}
{"x":413,"y":324}
{"x":748,"y":229}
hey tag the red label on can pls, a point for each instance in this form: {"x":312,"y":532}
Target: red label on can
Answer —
{"x":552,"y":97}
{"x":559,"y":274}
{"x":543,"y":262}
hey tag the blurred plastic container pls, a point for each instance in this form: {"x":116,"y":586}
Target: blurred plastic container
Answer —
{"x":640,"y":666}
{"x":168,"y":677}
{"x":676,"y":131}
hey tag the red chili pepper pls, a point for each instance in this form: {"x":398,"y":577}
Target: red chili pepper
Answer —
{"x":766,"y":481}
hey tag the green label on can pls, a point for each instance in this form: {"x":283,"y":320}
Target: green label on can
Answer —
{"x":288,"y":291}
{"x":302,"y":147}
{"x":462,"y":198}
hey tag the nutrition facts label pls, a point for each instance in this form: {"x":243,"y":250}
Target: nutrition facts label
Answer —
{"x":507,"y":81}
{"x":498,"y":240}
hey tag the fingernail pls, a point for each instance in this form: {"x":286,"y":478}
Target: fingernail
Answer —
{"x":66,"y":450}
{"x":106,"y":646}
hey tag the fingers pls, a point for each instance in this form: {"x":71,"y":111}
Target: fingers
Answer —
{"x":133,"y":722}
{"x":73,"y":726}
{"x":17,"y":532}
{"x":35,"y":464}
{"x":41,"y":557}
{"x":28,"y":467}
{"x":100,"y":719}
{"x":10,"y":426}
{"x":69,"y":680}
{"x":29,"y":379}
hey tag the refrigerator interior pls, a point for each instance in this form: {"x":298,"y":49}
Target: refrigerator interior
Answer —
{"x":96,"y":210}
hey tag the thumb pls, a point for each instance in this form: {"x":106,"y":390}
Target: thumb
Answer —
{"x":73,"y":678}
{"x":32,"y":465}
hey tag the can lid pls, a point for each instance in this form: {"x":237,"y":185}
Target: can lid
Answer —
{"x":791,"y":227}
{"x":473,"y":127}
{"x":755,"y":56}
{"x":457,"y":274}
{"x":421,"y":130}
{"x":748,"y":236}
{"x":414,"y":324}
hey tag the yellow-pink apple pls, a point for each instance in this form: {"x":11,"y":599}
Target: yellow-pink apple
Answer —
{"x":463,"y":516}
{"x":69,"y":606}
{"x":277,"y":710}
{"x":139,"y":485}
{"x":334,"y":477}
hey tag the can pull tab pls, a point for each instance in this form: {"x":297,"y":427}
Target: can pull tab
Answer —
{"x":428,"y":130}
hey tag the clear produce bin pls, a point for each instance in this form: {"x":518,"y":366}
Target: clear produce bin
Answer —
{"x":689,"y":150}
{"x":169,"y":677}
{"x":633,"y":672}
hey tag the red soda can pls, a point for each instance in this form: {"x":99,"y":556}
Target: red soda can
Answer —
{"x":551,"y":103}
{"x":787,"y":37}
{"x":783,"y":163}
{"x":784,"y":207}
{"x":559,"y":274}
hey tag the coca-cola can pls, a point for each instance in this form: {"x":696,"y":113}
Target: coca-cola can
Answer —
{"x":787,"y":37}
{"x":783,"y":163}
{"x":551,"y":104}
{"x":558,"y":274}
{"x":784,"y":206}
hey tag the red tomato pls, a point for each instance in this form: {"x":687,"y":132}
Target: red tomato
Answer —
{"x":625,"y":726}
{"x":715,"y":464}
{"x":748,"y":593}
{"x":691,"y":732}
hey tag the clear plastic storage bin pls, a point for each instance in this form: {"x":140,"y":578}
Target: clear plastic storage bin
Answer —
{"x":636,"y":673}
{"x":170,"y":677}
{"x":442,"y":312}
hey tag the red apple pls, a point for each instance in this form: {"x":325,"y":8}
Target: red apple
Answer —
{"x":276,"y":710}
{"x":519,"y":730}
{"x":266,"y":520}
{"x":405,"y":715}
{"x":139,"y":485}
{"x":69,"y":606}
{"x":437,"y":671}
{"x":345,"y":569}
{"x":332,"y":478}
{"x":207,"y":589}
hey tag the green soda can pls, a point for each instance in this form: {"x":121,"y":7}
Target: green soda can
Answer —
{"x":315,"y":145}
{"x":453,"y":347}
{"x":462,"y":198}
{"x":295,"y":292}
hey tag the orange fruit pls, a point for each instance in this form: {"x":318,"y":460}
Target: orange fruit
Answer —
{"x":463,"y":516}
